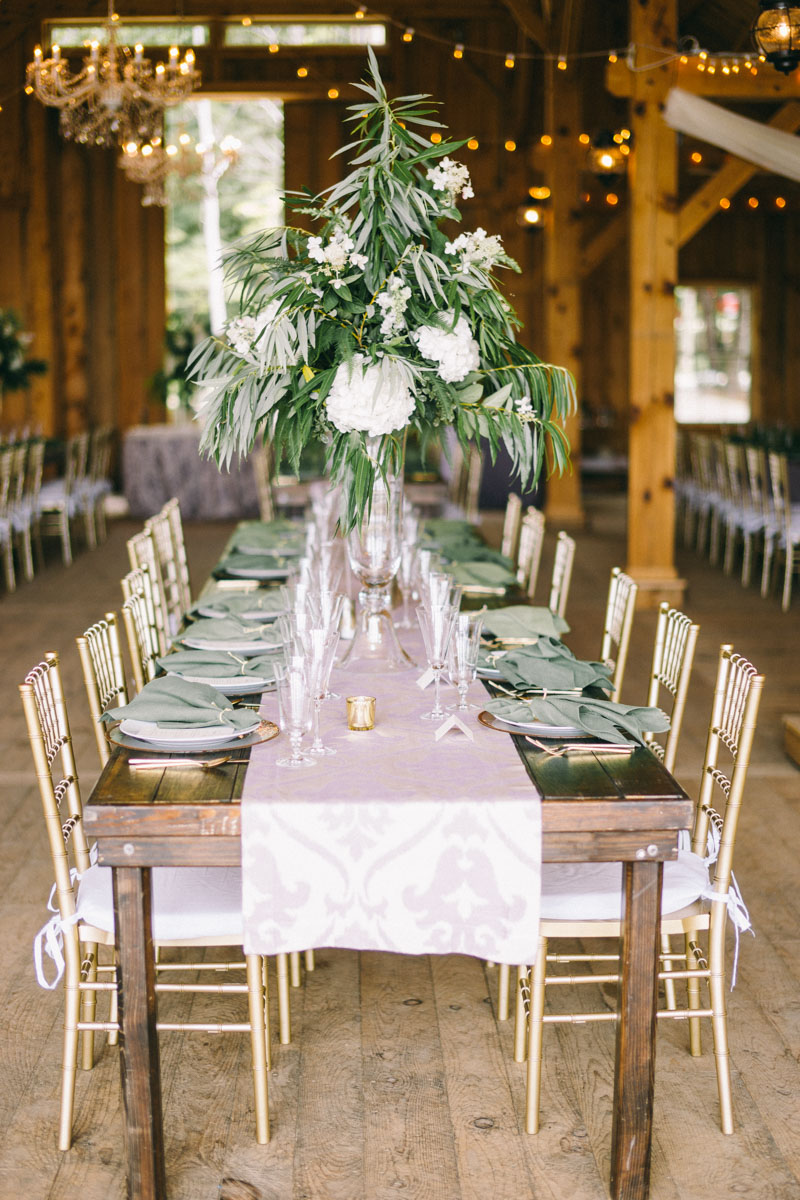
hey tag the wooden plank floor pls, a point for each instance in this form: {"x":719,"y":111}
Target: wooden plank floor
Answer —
{"x":399,"y":1080}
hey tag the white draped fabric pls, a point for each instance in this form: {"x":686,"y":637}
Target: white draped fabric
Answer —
{"x":756,"y":143}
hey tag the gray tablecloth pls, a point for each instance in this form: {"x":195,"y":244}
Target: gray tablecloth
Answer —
{"x":161,"y":461}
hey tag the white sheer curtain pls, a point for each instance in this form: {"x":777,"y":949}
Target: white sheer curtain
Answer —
{"x":771,"y":149}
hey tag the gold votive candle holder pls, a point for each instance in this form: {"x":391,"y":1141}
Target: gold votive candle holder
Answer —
{"x":360,"y":712}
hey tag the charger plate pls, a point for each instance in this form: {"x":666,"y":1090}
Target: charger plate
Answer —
{"x":264,"y":732}
{"x":223,"y":572}
{"x":546,"y":731}
{"x":254,"y":646}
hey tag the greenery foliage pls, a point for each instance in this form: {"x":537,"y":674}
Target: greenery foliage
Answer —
{"x":15,"y":368}
{"x":379,"y":322}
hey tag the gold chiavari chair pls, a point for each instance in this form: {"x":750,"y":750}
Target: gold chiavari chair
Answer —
{"x":699,"y":893}
{"x":562,"y":573}
{"x":140,"y":628}
{"x":172,"y":510}
{"x":103,"y":674}
{"x":786,"y":536}
{"x":531,"y":540}
{"x":511,"y":527}
{"x":32,"y":490}
{"x":191,"y":907}
{"x":143,"y":553}
{"x":6,"y":530}
{"x":59,"y":500}
{"x":671,"y":670}
{"x":160,"y":529}
{"x":19,"y":511}
{"x":97,"y":483}
{"x":617,"y":626}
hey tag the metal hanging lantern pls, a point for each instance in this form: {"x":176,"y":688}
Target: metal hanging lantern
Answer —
{"x":776,"y":34}
{"x":606,"y":159}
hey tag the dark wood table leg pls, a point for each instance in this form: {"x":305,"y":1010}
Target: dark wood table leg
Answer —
{"x":636,"y":1032}
{"x":139,"y":1060}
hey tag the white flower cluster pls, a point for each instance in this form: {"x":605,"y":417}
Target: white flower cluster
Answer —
{"x":455,"y":351}
{"x":476,"y":249}
{"x":524,"y":406}
{"x":369,"y":397}
{"x":247,"y":337}
{"x":338,"y":253}
{"x":392,"y":303}
{"x":453,"y":178}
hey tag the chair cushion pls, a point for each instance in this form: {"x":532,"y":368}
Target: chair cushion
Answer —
{"x":188,"y":902}
{"x":593,"y":891}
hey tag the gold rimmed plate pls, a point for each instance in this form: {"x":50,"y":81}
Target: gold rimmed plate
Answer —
{"x":539,"y":728}
{"x":265,"y":731}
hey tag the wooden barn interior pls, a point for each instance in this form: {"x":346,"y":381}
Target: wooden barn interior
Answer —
{"x":373,"y":1099}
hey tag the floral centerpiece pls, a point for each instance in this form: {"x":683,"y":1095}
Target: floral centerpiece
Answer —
{"x":379,"y":322}
{"x":15,"y":368}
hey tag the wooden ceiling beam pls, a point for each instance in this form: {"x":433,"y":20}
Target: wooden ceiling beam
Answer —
{"x":529,"y":21}
{"x":698,"y":210}
{"x":767,"y":85}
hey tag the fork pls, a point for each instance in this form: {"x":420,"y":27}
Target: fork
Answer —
{"x":158,"y":764}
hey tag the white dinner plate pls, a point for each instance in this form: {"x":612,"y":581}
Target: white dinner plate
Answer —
{"x":252,"y":614}
{"x":258,"y":572}
{"x":243,"y":647}
{"x":235,"y":685}
{"x":289,"y":551}
{"x":207,"y":735}
{"x":537,"y":727}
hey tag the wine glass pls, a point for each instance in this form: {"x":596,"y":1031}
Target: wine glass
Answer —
{"x":295,"y":707}
{"x":436,"y":623}
{"x":464,"y":645}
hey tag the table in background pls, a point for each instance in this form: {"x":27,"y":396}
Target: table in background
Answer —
{"x":162,"y":461}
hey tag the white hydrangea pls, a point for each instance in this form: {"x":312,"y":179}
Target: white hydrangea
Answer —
{"x":392,"y":302}
{"x":524,"y":406}
{"x":453,"y":178}
{"x":338,"y":254}
{"x":476,"y":249}
{"x":241,"y":334}
{"x":455,"y":350}
{"x":369,"y":397}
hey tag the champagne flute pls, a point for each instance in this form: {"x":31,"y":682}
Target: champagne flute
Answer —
{"x":295,"y":706}
{"x":464,"y":646}
{"x":319,"y":661}
{"x":436,"y":624}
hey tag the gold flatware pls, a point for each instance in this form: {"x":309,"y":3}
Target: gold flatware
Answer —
{"x":159,"y":764}
{"x":582,"y":747}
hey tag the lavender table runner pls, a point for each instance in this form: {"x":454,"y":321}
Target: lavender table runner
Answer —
{"x":397,"y":842}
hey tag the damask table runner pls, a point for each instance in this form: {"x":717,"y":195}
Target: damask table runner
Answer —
{"x":397,"y":842}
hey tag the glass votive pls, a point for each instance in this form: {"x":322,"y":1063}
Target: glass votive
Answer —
{"x":360,"y":712}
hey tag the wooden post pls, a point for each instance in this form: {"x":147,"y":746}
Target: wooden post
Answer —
{"x":653,"y":274}
{"x":562,"y":275}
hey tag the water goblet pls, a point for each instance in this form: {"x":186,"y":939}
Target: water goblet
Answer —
{"x":295,"y":707}
{"x":436,"y":624}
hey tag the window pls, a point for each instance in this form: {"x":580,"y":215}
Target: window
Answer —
{"x":713,"y":343}
{"x":306,"y":33}
{"x":128,"y":33}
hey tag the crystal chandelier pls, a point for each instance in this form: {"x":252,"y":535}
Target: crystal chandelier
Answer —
{"x":117,"y":96}
{"x":150,"y":163}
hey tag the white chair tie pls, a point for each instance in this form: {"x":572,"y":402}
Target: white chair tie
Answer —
{"x":732,"y":898}
{"x":50,"y":938}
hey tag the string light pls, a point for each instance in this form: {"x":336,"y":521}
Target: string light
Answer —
{"x":510,"y":145}
{"x":302,"y":72}
{"x":612,"y":58}
{"x":361,"y":12}
{"x":752,"y":202}
{"x":473,"y":144}
{"x":584,"y":139}
{"x":612,"y":198}
{"x":539,"y":193}
{"x":436,"y":138}
{"x":780,"y":202}
{"x":247,"y":22}
{"x":562,"y":63}
{"x":333,"y":93}
{"x":725,"y":203}
{"x":274,"y":47}
{"x":546,"y":139}
{"x":458,"y":50}
{"x":696,"y":156}
{"x":511,"y":60}
{"x":408,"y":34}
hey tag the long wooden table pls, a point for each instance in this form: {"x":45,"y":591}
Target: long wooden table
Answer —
{"x":595,"y":808}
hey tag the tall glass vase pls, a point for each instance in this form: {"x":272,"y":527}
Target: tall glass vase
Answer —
{"x":374,"y":550}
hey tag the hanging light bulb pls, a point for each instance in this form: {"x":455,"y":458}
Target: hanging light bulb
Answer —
{"x":776,"y":34}
{"x":605,"y":157}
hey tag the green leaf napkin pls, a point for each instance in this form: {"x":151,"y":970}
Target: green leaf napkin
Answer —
{"x":523,"y":621}
{"x":481,"y":574}
{"x":529,"y":666}
{"x":218,"y":664}
{"x":462,"y":551}
{"x":265,"y":602}
{"x":442,"y":527}
{"x":600,"y":718}
{"x":174,"y":703}
{"x":231,"y":629}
